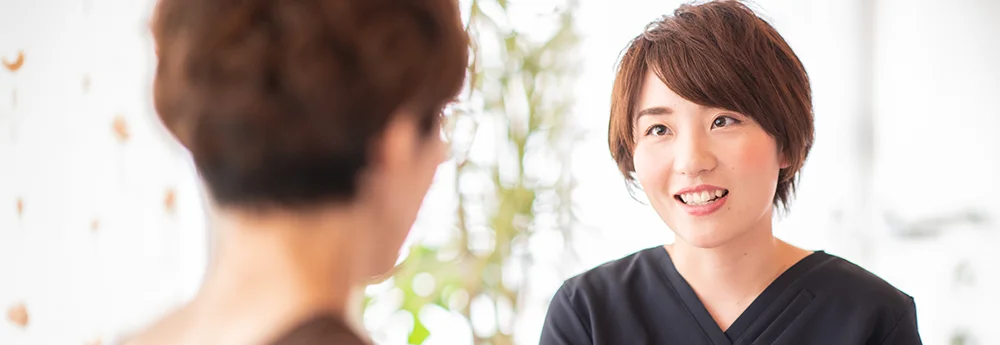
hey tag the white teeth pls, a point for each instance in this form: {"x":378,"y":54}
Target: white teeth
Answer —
{"x":702,"y":198}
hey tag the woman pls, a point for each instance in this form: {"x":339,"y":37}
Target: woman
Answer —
{"x":314,"y":125}
{"x":711,"y":115}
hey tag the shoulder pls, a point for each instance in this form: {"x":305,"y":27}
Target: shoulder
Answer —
{"x":867,"y":301}
{"x":843,"y":282}
{"x":320,"y":329}
{"x":619,"y":276}
{"x":602,"y":292}
{"x":617,"y":273}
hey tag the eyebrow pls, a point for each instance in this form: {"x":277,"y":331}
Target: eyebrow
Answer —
{"x":653,"y":111}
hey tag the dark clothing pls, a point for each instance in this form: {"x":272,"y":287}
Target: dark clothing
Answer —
{"x":320,"y":330}
{"x":642,"y":299}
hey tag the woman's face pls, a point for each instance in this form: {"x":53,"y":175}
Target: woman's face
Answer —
{"x":709,"y":173}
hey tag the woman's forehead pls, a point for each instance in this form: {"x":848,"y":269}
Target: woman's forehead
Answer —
{"x":657,"y":99}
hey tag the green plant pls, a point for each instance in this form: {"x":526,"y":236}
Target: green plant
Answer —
{"x":511,"y":141}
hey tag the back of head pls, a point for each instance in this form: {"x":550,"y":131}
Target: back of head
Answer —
{"x":719,"y":54}
{"x":279,"y":101}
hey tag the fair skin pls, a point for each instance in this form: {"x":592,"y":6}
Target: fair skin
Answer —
{"x":275,"y":268}
{"x":711,"y":176}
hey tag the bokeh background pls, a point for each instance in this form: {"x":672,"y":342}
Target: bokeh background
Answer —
{"x":103,"y":223}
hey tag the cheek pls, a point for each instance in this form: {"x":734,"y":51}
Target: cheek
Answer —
{"x":755,"y":161}
{"x":758,"y":154}
{"x":652,"y":167}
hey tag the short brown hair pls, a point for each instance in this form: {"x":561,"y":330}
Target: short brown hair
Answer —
{"x":719,"y":54}
{"x":279,"y":101}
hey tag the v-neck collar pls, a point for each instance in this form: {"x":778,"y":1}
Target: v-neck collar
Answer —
{"x":697,"y":309}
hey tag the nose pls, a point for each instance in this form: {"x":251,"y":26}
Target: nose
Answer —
{"x":693,"y":155}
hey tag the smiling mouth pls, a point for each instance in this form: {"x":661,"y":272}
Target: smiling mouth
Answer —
{"x":701,"y":198}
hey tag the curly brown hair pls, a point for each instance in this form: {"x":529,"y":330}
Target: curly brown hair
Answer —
{"x":722,"y":55}
{"x":279,"y":101}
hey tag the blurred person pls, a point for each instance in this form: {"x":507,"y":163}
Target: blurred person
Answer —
{"x":314,"y":125}
{"x":711,"y":115}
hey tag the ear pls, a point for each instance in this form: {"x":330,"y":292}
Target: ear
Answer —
{"x":783,"y":156}
{"x":395,"y":146}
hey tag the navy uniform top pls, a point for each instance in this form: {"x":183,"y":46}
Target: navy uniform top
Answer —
{"x":642,"y":299}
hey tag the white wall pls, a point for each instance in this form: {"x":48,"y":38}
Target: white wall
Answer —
{"x":938,"y":155}
{"x":60,"y":155}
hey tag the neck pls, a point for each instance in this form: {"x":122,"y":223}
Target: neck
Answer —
{"x":729,"y":277}
{"x":273,"y":270}
{"x":739,"y":269}
{"x":741,"y":262}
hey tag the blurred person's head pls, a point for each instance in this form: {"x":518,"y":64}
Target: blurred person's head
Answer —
{"x":312,"y":110}
{"x":712,"y":117}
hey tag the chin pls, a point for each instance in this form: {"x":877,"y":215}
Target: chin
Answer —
{"x":705,"y":236}
{"x":380,"y":271}
{"x":703,"y":242}
{"x":377,"y":262}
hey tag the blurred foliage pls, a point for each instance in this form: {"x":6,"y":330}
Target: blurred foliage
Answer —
{"x":932,"y":226}
{"x":961,"y":337}
{"x":511,"y":138}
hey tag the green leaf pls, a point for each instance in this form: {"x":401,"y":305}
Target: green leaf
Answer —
{"x":420,"y":333}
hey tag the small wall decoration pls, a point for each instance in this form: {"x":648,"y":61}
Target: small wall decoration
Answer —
{"x":120,"y":127}
{"x":15,"y":65}
{"x":170,"y":200}
{"x":18,"y":314}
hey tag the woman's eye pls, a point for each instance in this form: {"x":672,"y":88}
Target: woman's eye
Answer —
{"x":657,"y":130}
{"x":723,"y":121}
